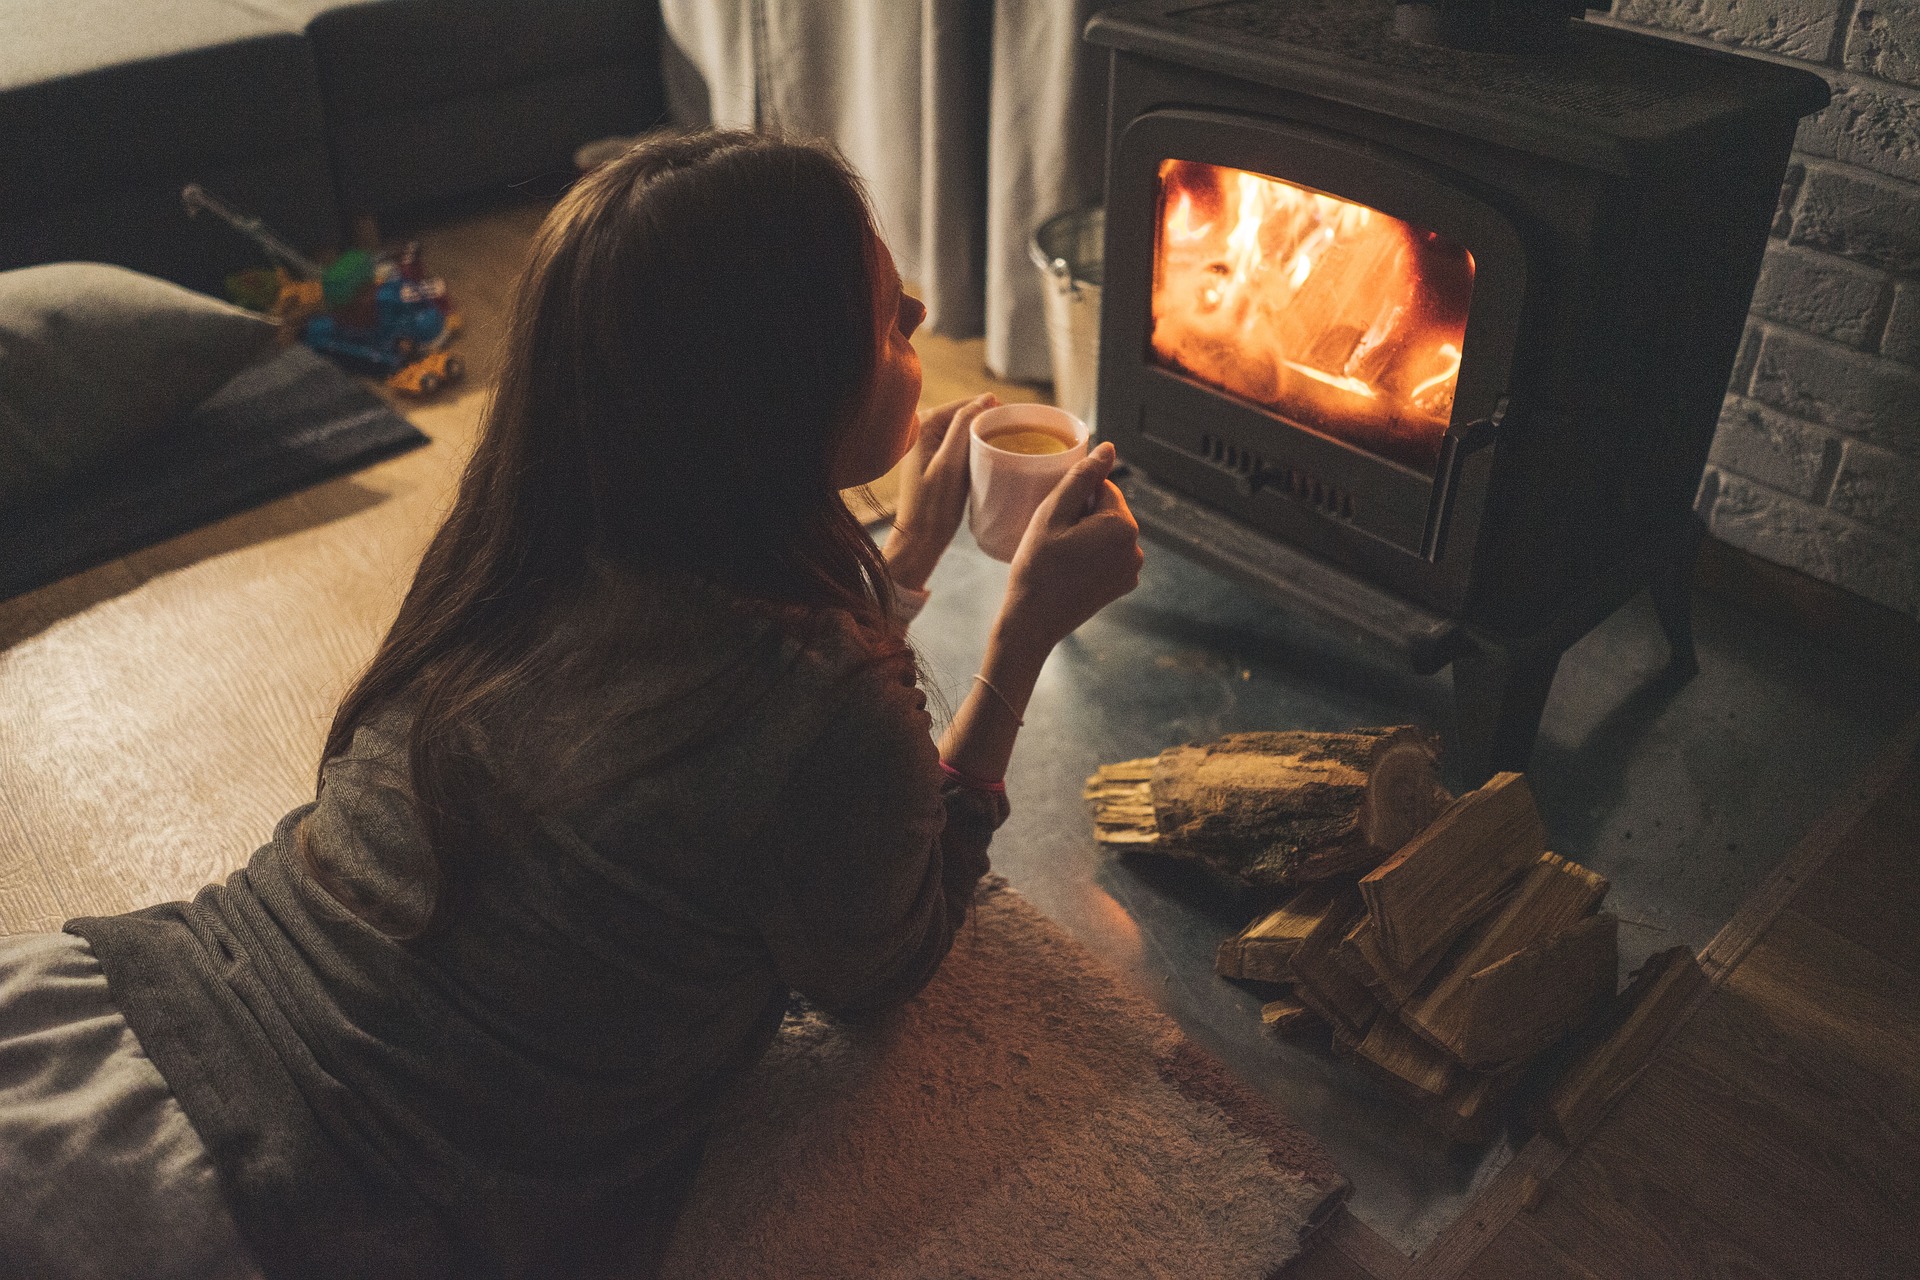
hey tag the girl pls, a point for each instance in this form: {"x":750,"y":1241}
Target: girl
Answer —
{"x":642,"y":753}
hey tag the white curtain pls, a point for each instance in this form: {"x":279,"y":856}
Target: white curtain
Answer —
{"x":972,"y":121}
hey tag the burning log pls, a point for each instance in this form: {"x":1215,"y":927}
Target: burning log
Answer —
{"x":1275,"y":810}
{"x":1614,"y":1052}
{"x":1442,"y":880}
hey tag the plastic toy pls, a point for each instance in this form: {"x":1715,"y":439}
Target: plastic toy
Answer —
{"x":377,"y":314}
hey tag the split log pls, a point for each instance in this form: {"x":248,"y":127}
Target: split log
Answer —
{"x":1273,"y":810}
{"x":1446,"y":877}
{"x":1621,"y":1045}
{"x":1264,"y":950}
{"x":1284,"y":1016}
{"x":1360,"y":956}
{"x":1319,"y":983}
{"x":1515,"y":1007}
{"x":1122,"y":796}
{"x":1550,"y":897}
{"x":1461,"y":1104}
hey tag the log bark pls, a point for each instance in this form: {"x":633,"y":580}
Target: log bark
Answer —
{"x":1264,"y":950}
{"x":1446,"y":877}
{"x":1274,"y":810}
{"x":1618,"y":1049}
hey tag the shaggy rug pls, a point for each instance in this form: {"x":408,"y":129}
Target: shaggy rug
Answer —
{"x":1026,"y":1116}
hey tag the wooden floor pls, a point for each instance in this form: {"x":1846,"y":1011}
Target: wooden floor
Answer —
{"x":1778,"y":1134}
{"x":159,"y":713}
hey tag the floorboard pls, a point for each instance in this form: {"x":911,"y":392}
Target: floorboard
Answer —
{"x":1779,"y":1134}
{"x":1869,"y":898}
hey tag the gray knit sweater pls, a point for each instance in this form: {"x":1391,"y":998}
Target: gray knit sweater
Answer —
{"x":495,"y":1097}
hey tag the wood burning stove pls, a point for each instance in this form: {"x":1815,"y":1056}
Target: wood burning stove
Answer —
{"x":1432,"y":340}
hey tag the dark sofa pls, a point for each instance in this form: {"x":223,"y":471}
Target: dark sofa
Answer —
{"x":304,"y":112}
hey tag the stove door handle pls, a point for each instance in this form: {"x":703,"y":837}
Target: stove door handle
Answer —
{"x":1461,"y":443}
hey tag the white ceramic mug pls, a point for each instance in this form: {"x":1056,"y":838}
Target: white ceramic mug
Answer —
{"x":1005,"y":488}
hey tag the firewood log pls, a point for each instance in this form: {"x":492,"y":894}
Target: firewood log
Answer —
{"x":1275,"y":810}
{"x":1319,"y":983}
{"x":1611,"y":1056}
{"x":1285,"y":1016}
{"x":1122,"y":797}
{"x":1264,"y":950}
{"x":1549,"y":898}
{"x":1445,"y":878}
{"x":1517,"y":1006}
{"x":1461,"y":1104}
{"x":1359,"y":955}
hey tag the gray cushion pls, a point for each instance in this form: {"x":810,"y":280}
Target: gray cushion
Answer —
{"x":94,"y":357}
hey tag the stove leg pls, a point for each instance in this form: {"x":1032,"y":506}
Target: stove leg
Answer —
{"x":1672,"y":591}
{"x":1499,"y":694}
{"x":1673,"y":603}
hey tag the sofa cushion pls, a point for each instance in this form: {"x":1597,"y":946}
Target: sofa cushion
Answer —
{"x":383,"y":56}
{"x":97,"y":95}
{"x":95,"y":357}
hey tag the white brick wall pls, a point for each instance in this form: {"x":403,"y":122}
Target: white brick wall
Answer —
{"x":1817,"y":460}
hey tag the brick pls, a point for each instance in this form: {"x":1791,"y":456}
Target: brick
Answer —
{"x":1782,"y":453}
{"x":1902,"y":339}
{"x":1884,"y":40}
{"x":1876,"y":126}
{"x":1798,"y":28}
{"x":1865,"y":396}
{"x":1873,"y":221}
{"x":1879,"y":488}
{"x":1825,"y":544}
{"x":1821,"y":294}
{"x":1789,"y":192}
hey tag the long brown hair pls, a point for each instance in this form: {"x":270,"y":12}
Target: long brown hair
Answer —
{"x":692,"y":335}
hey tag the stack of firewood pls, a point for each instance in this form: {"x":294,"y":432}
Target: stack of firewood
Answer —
{"x":1440,"y":941}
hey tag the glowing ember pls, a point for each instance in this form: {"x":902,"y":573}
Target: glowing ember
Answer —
{"x":1331,"y":313}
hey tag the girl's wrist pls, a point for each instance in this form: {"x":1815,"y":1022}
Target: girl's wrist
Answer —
{"x":1018,"y":633}
{"x":910,"y":563}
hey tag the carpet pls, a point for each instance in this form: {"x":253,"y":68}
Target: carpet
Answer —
{"x":1027,"y":1116}
{"x":287,"y":422}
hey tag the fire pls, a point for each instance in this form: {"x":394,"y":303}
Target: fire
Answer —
{"x":1333,"y":314}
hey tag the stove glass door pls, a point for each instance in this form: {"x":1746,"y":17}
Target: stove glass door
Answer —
{"x":1321,"y":310}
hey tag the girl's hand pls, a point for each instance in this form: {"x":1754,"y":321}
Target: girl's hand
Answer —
{"x":1080,"y":554}
{"x":933,"y":490}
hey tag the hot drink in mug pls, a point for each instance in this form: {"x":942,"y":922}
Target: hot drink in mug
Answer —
{"x":1018,"y":453}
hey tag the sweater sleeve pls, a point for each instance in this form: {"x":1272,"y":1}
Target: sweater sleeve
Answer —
{"x":871,"y":862}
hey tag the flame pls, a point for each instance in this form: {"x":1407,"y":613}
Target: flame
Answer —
{"x":1339,"y":317}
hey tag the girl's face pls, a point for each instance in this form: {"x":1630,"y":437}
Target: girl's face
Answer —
{"x":884,"y":429}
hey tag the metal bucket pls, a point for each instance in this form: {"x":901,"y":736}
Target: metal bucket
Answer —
{"x":1069,"y":248}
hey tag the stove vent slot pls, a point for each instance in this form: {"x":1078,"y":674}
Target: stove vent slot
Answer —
{"x":1252,"y":468}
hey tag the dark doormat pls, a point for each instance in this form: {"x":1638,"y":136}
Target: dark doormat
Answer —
{"x":283,"y":424}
